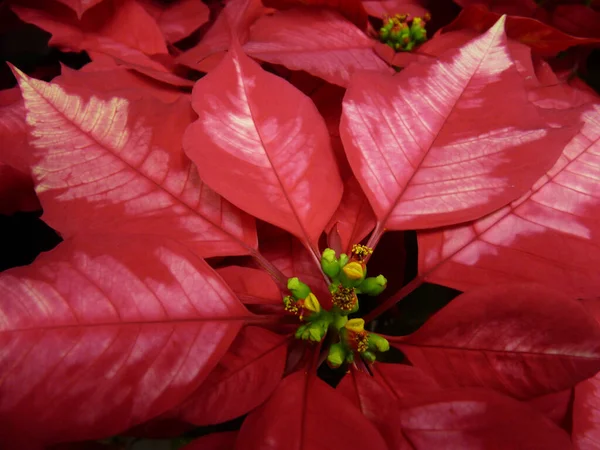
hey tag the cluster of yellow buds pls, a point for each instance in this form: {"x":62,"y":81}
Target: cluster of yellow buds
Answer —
{"x":348,"y":278}
{"x":402,"y":34}
{"x":354,"y":338}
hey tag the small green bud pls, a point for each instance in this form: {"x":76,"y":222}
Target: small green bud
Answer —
{"x":339,"y":321}
{"x":373,"y":286}
{"x":298,"y":289}
{"x":337,"y":355}
{"x":329,"y":263}
{"x":378,"y":342}
{"x":343,"y":259}
{"x":369,"y":356}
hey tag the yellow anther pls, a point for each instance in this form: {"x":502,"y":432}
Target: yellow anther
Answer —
{"x":354,"y":270}
{"x":355,"y":325}
{"x":344,"y":298}
{"x":360,"y":252}
{"x":311,"y":303}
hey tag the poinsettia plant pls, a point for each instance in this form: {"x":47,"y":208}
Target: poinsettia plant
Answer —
{"x":238,"y":187}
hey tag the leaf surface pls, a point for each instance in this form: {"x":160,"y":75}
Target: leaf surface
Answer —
{"x":550,"y":235}
{"x":113,"y":165}
{"x":252,"y":286}
{"x":106,"y":332}
{"x":522,"y":340}
{"x":320,"y":42}
{"x":353,"y":10}
{"x":471,"y":419}
{"x":544,"y":39}
{"x":279,"y":152}
{"x":244,"y":378}
{"x":305,"y":413}
{"x":354,"y":218}
{"x":586,"y":404}
{"x":383,"y":8}
{"x":122,"y":21}
{"x":179,"y":19}
{"x":449,"y":141}
{"x":80,"y":6}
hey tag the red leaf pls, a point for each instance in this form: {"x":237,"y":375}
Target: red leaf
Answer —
{"x":116,"y":81}
{"x":214,"y":441}
{"x":244,"y":378}
{"x":236,"y":17}
{"x":94,"y":341}
{"x":586,"y":405}
{"x":383,"y":8}
{"x":305,"y":413}
{"x":353,"y":10}
{"x":15,"y":150}
{"x":177,"y":20}
{"x":578,"y":20}
{"x":116,"y":166}
{"x":550,"y":235}
{"x":252,"y":286}
{"x":288,"y":255}
{"x":471,"y":419}
{"x":404,"y":382}
{"x":321,"y":42}
{"x":121,"y":21}
{"x":16,"y":191}
{"x":80,"y":6}
{"x":449,"y":141}
{"x":554,"y":406}
{"x":279,"y":152}
{"x":374,"y":401}
{"x":523,"y":340}
{"x":542,"y":38}
{"x":354,"y":218}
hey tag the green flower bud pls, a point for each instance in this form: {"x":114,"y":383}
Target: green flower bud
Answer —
{"x":369,"y":356}
{"x":343,"y":259}
{"x":337,"y":355}
{"x":378,"y":342}
{"x":329,"y":263}
{"x":373,"y":286}
{"x":298,"y":289}
{"x":339,"y":321}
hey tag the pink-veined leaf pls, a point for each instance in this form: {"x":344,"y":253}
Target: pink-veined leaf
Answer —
{"x":376,"y":404}
{"x":252,"y":286}
{"x":236,"y":17}
{"x":179,"y":19}
{"x":353,"y":10}
{"x":385,"y":8}
{"x":550,"y":235}
{"x":522,"y":340}
{"x":320,"y":42}
{"x":278,"y":152}
{"x":122,"y":21}
{"x":586,"y":404}
{"x":214,"y":441}
{"x":105,"y":332}
{"x":114,"y":165}
{"x":244,"y":378}
{"x":304,"y":413}
{"x":449,"y":141}
{"x":80,"y":6}
{"x":473,"y":419}
{"x":354,"y":218}
{"x":542,"y":38}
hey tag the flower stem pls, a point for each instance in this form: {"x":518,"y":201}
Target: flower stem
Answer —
{"x":401,"y":294}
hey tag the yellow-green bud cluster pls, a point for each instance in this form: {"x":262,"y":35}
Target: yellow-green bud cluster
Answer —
{"x":402,"y":34}
{"x":354,"y":338}
{"x":348,"y":278}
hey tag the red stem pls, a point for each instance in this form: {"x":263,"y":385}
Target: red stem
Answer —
{"x":401,"y":294}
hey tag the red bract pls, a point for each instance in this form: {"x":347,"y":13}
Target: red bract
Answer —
{"x":193,"y":287}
